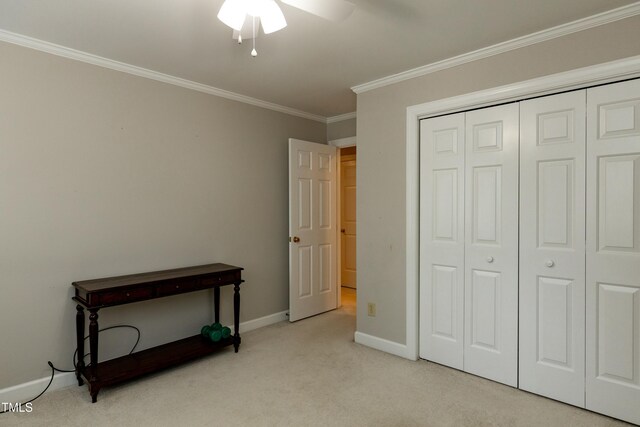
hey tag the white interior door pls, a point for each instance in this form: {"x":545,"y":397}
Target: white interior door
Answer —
{"x":491,"y":250}
{"x":613,"y":250}
{"x":312,"y":229}
{"x":552,"y":246}
{"x":442,"y":239}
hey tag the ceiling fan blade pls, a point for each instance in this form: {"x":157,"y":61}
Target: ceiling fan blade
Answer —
{"x":333,"y":10}
{"x":272,"y":17}
{"x":232,"y":14}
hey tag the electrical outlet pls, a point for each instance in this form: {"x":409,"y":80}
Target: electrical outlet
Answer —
{"x":371,"y":309}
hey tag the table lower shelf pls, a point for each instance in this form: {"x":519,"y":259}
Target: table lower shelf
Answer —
{"x":151,"y":360}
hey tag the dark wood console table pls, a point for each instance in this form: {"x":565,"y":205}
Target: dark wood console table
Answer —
{"x":108,"y":292}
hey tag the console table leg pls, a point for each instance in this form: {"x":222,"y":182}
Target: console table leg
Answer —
{"x":93,"y":391}
{"x":236,"y":316}
{"x":216,"y":303}
{"x":93,"y":348}
{"x":80,"y":343}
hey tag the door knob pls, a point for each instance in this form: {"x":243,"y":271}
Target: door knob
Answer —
{"x":342,"y":230}
{"x":550,"y":263}
{"x":295,"y":239}
{"x":489,"y":259}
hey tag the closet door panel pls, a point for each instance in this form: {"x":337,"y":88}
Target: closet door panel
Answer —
{"x":442,"y":239}
{"x":552,"y":250}
{"x":613,"y":250}
{"x":491,"y":250}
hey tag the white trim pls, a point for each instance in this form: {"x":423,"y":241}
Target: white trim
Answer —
{"x":538,"y":37}
{"x":580,"y":78}
{"x":344,"y":142}
{"x":568,"y":80}
{"x":65,"y":52}
{"x":342,"y":117}
{"x":412,"y":238}
{"x":23,"y":392}
{"x":383,"y":345}
{"x":261,"y":322}
{"x":29,"y":390}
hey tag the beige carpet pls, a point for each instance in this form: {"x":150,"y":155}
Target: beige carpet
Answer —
{"x":309,"y":373}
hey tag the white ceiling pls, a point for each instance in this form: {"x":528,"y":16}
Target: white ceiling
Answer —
{"x":311,"y":64}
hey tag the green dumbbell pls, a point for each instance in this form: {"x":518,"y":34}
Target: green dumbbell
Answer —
{"x":205,"y":331}
{"x":215,"y":335}
{"x":216,"y":326}
{"x":226,"y":332}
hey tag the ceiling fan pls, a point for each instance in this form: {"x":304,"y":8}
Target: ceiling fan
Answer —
{"x":245,"y":16}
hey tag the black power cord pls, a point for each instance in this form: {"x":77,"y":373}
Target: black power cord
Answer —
{"x":75,"y":363}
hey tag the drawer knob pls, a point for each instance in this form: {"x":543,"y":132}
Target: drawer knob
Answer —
{"x":550,"y":263}
{"x":177,"y":286}
{"x":489,"y":259}
{"x":127,"y":294}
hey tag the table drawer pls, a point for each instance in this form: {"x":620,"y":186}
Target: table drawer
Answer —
{"x":174,"y":287}
{"x":220,"y":279}
{"x":123,"y":296}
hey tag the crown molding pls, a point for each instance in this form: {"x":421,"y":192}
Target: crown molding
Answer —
{"x":65,"y":52}
{"x":530,"y":39}
{"x":341,"y":117}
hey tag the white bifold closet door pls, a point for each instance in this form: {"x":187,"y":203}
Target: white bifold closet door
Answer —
{"x":442,"y":239}
{"x":552,"y":246}
{"x":491,"y":244}
{"x":530,"y":235}
{"x":469,"y":242}
{"x":613,"y":250}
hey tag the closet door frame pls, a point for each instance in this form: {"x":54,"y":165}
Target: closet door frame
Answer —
{"x":614,"y":72}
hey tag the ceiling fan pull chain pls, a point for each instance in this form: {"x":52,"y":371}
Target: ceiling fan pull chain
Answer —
{"x":254,"y":53}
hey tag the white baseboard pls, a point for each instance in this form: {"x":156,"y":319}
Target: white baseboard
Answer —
{"x":26,"y":391}
{"x":383,"y":345}
{"x":261,"y":322}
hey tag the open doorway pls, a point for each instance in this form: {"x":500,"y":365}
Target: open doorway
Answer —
{"x":348,"y":272}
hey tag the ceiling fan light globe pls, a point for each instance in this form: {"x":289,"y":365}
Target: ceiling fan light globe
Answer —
{"x":232,"y":13}
{"x":272,"y":18}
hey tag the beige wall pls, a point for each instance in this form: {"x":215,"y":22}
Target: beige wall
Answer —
{"x":381,"y":153}
{"x":103,"y":173}
{"x":341,"y":129}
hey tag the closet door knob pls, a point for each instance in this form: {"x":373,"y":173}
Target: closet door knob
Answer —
{"x":489,"y":259}
{"x":550,"y":263}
